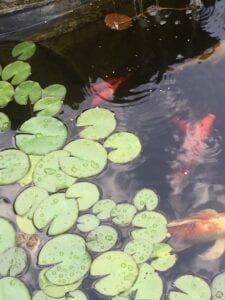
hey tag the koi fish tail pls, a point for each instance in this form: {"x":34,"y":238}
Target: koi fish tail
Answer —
{"x":214,"y":252}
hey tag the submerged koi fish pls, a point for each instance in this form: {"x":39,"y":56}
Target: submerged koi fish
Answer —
{"x":192,"y":149}
{"x":104,"y":90}
{"x":204,"y":226}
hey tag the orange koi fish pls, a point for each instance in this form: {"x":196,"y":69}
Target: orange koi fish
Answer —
{"x":104,"y":90}
{"x":204,"y":226}
{"x":191,"y":150}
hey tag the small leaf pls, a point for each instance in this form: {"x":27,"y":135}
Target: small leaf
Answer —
{"x":24,"y":50}
{"x":164,"y":258}
{"x":102,"y":239}
{"x":218,"y":287}
{"x":12,"y":288}
{"x":4,"y":122}
{"x":127,"y":147}
{"x":103,"y":208}
{"x":28,"y":91}
{"x":98,"y":123}
{"x":27,"y":179}
{"x":88,"y":222}
{"x":17,"y":71}
{"x":57,"y":91}
{"x":7,"y":235}
{"x":13,"y":261}
{"x":140,"y":250}
{"x":48,"y":106}
{"x":25,"y":224}
{"x":146,"y":198}
{"x":78,"y":295}
{"x":123,"y":213}
{"x":118,"y":21}
{"x":6,"y":93}
{"x":41,"y":296}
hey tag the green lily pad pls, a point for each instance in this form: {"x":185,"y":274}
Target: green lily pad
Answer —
{"x":27,"y":179}
{"x":126,"y":147}
{"x":218,"y":287}
{"x":55,"y":291}
{"x":28,"y":91}
{"x":14,"y":165}
{"x":140,"y":250}
{"x":98,"y":123}
{"x":86,"y":194}
{"x":29,"y":200}
{"x":146,"y":198}
{"x":13,"y":261}
{"x":7,"y":235}
{"x":57,"y":91}
{"x":191,"y":288}
{"x":69,"y":259}
{"x":48,"y":174}
{"x":12,"y":288}
{"x":121,"y":298}
{"x":103,"y":208}
{"x":164,"y":258}
{"x":0,"y":70}
{"x":57,"y":211}
{"x":102,"y":239}
{"x":25,"y":225}
{"x":4,"y":122}
{"x":78,"y":295}
{"x":24,"y":50}
{"x":6,"y":93}
{"x":17,"y":71}
{"x":154,"y":226}
{"x":118,"y":271}
{"x":88,"y":158}
{"x":41,"y":135}
{"x":88,"y":222}
{"x":123,"y":213}
{"x":41,"y":296}
{"x":48,"y":106}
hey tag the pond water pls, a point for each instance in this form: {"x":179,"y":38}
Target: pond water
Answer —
{"x":163,"y":82}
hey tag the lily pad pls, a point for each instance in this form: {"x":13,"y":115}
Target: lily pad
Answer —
{"x":48,"y":106}
{"x":24,"y":50}
{"x":12,"y":288}
{"x":17,"y":71}
{"x":13,"y":261}
{"x":41,"y":296}
{"x":103,"y":208}
{"x":191,"y":288}
{"x":126,"y":147}
{"x":218,"y":287}
{"x":123,"y":213}
{"x":48,"y":174}
{"x":88,"y":158}
{"x":27,"y":179}
{"x":6,"y":93}
{"x":4,"y":122}
{"x":25,"y":225}
{"x":7,"y":235}
{"x":118,"y":271}
{"x":69,"y":259}
{"x":86,"y":194}
{"x":164,"y":259}
{"x":102,"y":239}
{"x":98,"y":123}
{"x":146,"y":198}
{"x":57,"y":91}
{"x":41,"y":135}
{"x":154,"y":226}
{"x":14,"y":165}
{"x":140,"y":250}
{"x":28,"y":91}
{"x":88,"y":222}
{"x":78,"y":295}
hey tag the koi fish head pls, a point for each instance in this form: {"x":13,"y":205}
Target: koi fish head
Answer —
{"x":205,"y":125}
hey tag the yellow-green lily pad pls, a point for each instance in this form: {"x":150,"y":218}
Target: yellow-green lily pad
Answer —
{"x":103,"y":208}
{"x":218,"y":287}
{"x":25,"y":225}
{"x":27,"y":179}
{"x":7,"y":235}
{"x":146,"y":198}
{"x":24,"y":50}
{"x":141,"y":250}
{"x":48,"y":106}
{"x":13,"y":261}
{"x":12,"y":288}
{"x":39,"y":295}
{"x":4,"y":122}
{"x":123,"y":213}
{"x":28,"y":91}
{"x":164,"y":259}
{"x":57,"y":91}
{"x":78,"y":295}
{"x":88,"y":222}
{"x":6,"y":93}
{"x":17,"y":71}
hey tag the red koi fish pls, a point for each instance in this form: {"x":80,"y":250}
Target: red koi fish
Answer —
{"x":191,"y":150}
{"x":204,"y":226}
{"x":104,"y":90}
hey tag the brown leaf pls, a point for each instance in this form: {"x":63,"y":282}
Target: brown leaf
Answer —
{"x":118,"y":21}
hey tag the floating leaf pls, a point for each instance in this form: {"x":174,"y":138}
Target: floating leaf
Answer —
{"x":102,"y":238}
{"x":17,"y":71}
{"x":28,"y":91}
{"x":103,"y":208}
{"x":41,"y":135}
{"x":118,"y":21}
{"x":6,"y":93}
{"x":57,"y":91}
{"x":4,"y":122}
{"x":41,"y":296}
{"x":86,"y":194}
{"x":127,"y":147}
{"x":48,"y":174}
{"x":27,"y":179}
{"x":118,"y":271}
{"x":88,"y":222}
{"x":146,"y":198}
{"x":98,"y":123}
{"x":14,"y":165}
{"x":218,"y":287}
{"x":123,"y":213}
{"x":88,"y":158}
{"x":48,"y":106}
{"x":78,"y":295}
{"x":154,"y":225}
{"x":164,"y":259}
{"x":7,"y":235}
{"x":121,"y":298}
{"x":0,"y":70}
{"x":25,"y":224}
{"x":12,"y":288}
{"x":24,"y":50}
{"x":140,"y":250}
{"x":58,"y":211}
{"x":13,"y":261}
{"x":191,"y":288}
{"x":68,"y":256}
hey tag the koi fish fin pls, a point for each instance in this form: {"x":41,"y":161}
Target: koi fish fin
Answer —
{"x":182,"y":125}
{"x":203,"y":214}
{"x":215,"y":251}
{"x":178,"y":244}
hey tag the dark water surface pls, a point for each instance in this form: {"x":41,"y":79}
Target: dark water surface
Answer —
{"x":163,"y":82}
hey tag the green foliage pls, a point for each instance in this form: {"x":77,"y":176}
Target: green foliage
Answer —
{"x":12,"y":288}
{"x":28,"y":91}
{"x":24,"y":50}
{"x":4,"y":122}
{"x":6,"y":93}
{"x":17,"y":71}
